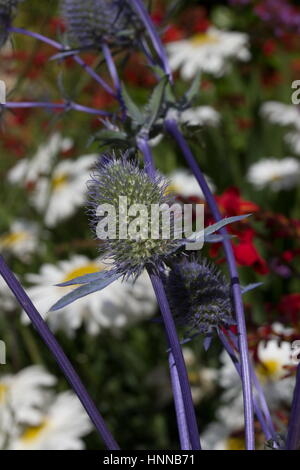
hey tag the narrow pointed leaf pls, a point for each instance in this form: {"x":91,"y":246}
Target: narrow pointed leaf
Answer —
{"x":82,"y":291}
{"x":97,"y":276}
{"x":191,"y":94}
{"x":132,"y":109}
{"x":250,"y":287}
{"x":153,"y":107}
{"x":203,"y":234}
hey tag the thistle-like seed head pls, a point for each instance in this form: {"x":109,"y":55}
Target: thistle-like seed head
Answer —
{"x":94,"y":22}
{"x":199,"y":295}
{"x":7,"y":10}
{"x":116,"y":178}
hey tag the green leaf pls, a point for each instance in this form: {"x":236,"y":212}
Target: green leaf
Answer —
{"x":153,"y":107}
{"x":132,"y":109}
{"x":191,"y":94}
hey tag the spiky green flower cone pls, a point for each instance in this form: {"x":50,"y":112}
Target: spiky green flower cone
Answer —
{"x":113,"y":180}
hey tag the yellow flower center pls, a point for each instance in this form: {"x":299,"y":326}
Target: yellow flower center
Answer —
{"x":3,"y":391}
{"x":172,"y":188}
{"x":235,"y":443}
{"x":12,"y":239}
{"x":59,"y":180}
{"x":82,"y":271}
{"x":203,"y":39}
{"x":269,"y":369}
{"x":33,"y":433}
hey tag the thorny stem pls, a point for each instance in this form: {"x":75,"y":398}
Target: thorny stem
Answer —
{"x":179,"y":406}
{"x":67,"y":106}
{"x":259,"y":390}
{"x":172,"y":129}
{"x":156,"y":41}
{"x":59,"y":355}
{"x":179,"y":360}
{"x":269,"y":433}
{"x":293,"y":437}
{"x":172,"y":337}
{"x":89,"y":70}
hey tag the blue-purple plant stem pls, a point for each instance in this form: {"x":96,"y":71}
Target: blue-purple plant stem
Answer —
{"x":59,"y":355}
{"x":143,"y":146}
{"x":179,"y":360}
{"x":173,"y":130}
{"x":68,"y":106}
{"x":179,"y":406}
{"x":259,"y":389}
{"x":90,"y":71}
{"x":141,"y":10}
{"x":230,"y":351}
{"x":115,"y":77}
{"x":173,"y":341}
{"x":293,"y":436}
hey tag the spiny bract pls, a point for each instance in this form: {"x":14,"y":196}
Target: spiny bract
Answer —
{"x":114,"y":177}
{"x":94,"y":22}
{"x":199,"y":295}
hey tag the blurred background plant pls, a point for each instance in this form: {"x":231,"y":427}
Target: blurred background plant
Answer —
{"x":245,"y":132}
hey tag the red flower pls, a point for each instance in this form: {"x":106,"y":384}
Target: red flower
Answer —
{"x":173,"y":33}
{"x":269,"y":47}
{"x":246,"y":253}
{"x":289,"y":306}
{"x":231,"y":203}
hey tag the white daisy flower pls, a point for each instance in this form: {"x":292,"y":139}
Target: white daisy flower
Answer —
{"x":274,"y":358}
{"x":217,"y":436}
{"x":61,"y":427}
{"x":21,"y":240}
{"x":285,"y":115}
{"x":7,"y":299}
{"x":200,"y":116}
{"x":277,"y":174}
{"x":113,"y":307}
{"x":209,"y":52}
{"x":293,"y":140}
{"x":183,"y":183}
{"x":280,"y":113}
{"x":21,"y":397}
{"x":59,"y":196}
{"x":197,"y":116}
{"x":28,"y":170}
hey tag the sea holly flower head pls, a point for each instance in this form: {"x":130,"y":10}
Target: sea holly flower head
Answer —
{"x":199,"y":295}
{"x":94,"y":22}
{"x":7,"y":10}
{"x":118,"y":181}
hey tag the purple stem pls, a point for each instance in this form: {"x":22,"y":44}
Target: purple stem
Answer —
{"x":172,"y":128}
{"x":143,"y":146}
{"x":115,"y":77}
{"x":179,"y":406}
{"x":59,"y":46}
{"x":264,"y":425}
{"x":293,"y":437}
{"x":140,"y":8}
{"x":63,"y":106}
{"x":190,"y":419}
{"x":179,"y":360}
{"x":58,"y":354}
{"x":259,"y":389}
